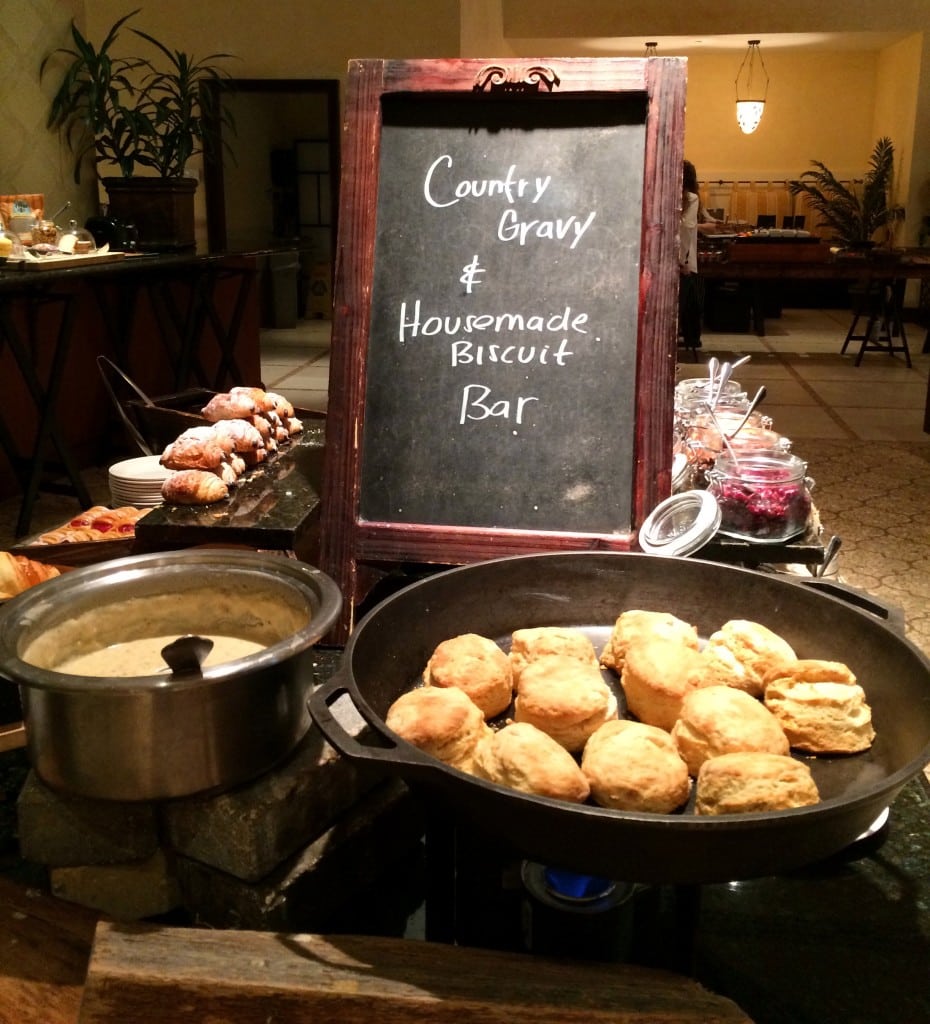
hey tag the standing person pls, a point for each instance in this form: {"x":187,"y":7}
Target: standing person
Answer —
{"x":690,"y":285}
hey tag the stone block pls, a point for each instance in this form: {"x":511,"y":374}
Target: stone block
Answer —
{"x":248,"y":831}
{"x":60,"y":830}
{"x":312,"y":889}
{"x":124,"y":892}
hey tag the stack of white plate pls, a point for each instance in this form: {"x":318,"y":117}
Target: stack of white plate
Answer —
{"x":137,"y":481}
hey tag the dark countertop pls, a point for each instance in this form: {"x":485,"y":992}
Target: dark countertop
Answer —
{"x":17,"y":276}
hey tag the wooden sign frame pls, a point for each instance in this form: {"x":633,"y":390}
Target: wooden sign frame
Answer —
{"x":357,"y":551}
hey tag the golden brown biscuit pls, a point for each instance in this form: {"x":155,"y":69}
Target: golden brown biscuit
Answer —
{"x":522,"y":757}
{"x":635,"y":767}
{"x":544,"y":641}
{"x":475,"y":665}
{"x":635,"y":625}
{"x":756,"y":649}
{"x":565,"y":699}
{"x":746,"y":782}
{"x":720,"y":720}
{"x":820,"y":706}
{"x":441,"y":722}
{"x":656,"y":676}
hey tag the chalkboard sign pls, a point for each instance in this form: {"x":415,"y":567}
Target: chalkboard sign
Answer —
{"x":502,"y":357}
{"x":504,"y":340}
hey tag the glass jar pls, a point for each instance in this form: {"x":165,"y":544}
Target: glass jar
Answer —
{"x":694,"y":400}
{"x":763,"y":496}
{"x":703,"y":388}
{"x":45,"y":232}
{"x":704,"y":443}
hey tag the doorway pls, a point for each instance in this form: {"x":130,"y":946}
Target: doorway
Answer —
{"x":277,"y":184}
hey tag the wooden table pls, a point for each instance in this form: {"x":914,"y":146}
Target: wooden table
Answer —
{"x":859,"y":270}
{"x":856,"y":270}
{"x":168,"y":320}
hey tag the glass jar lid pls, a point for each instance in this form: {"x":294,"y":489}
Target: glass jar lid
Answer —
{"x":681,"y":524}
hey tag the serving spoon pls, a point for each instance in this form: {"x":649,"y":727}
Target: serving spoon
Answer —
{"x":760,"y":394}
{"x":186,"y":655}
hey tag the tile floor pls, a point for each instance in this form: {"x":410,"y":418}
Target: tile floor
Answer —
{"x":295,"y":362}
{"x":812,"y":390}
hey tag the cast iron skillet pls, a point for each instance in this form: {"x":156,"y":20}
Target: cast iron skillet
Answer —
{"x":389,"y":648}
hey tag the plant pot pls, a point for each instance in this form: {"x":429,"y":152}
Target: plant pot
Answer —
{"x":162,"y":210}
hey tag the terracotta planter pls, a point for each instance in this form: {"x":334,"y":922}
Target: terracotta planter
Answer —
{"x":162,"y":210}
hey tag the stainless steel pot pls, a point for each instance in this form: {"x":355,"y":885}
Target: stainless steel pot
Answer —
{"x":165,"y":735}
{"x":388,"y":649}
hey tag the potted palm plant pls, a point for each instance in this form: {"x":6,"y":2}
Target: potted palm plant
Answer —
{"x":147,"y":120}
{"x":854,"y":212}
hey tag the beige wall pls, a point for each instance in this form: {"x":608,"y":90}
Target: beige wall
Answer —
{"x":885,"y":91}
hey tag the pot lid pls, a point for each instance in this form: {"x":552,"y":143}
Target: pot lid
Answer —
{"x":681,"y":524}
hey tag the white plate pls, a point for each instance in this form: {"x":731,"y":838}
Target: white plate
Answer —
{"x":144,"y":469}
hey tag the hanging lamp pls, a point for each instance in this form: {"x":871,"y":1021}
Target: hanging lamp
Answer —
{"x":752,"y":85}
{"x":652,"y":50}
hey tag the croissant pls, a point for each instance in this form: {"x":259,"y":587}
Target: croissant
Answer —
{"x":242,"y":435}
{"x":193,"y":453}
{"x":229,"y":407}
{"x":208,"y":435}
{"x":282,"y":406}
{"x":193,"y":487}
{"x":263,"y":401}
{"x":263,"y":427}
{"x":18,"y":573}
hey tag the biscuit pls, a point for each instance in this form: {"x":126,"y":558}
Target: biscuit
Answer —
{"x":720,"y":720}
{"x":565,"y":699}
{"x":475,"y":665}
{"x":635,"y":625}
{"x":543,"y":641}
{"x":656,"y":676}
{"x":442,"y":722}
{"x":821,"y":707}
{"x":757,"y":650}
{"x":747,"y":782}
{"x":522,"y":757}
{"x":635,"y":767}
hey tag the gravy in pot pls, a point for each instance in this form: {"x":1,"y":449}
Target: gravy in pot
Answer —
{"x":142,"y":657}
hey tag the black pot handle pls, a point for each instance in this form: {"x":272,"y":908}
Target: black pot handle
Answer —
{"x":319,"y":704}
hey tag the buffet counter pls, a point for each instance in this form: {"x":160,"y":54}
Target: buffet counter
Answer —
{"x":168,"y":321}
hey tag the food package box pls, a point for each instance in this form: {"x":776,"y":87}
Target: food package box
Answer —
{"x":320,"y":295}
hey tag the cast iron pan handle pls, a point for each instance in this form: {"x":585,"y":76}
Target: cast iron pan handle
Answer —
{"x":890,"y":614}
{"x":395,"y":755}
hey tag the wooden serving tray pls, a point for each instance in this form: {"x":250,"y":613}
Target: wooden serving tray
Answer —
{"x":64,"y":261}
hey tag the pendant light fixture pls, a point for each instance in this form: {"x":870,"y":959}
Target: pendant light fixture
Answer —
{"x":752,"y":84}
{"x":652,"y":50}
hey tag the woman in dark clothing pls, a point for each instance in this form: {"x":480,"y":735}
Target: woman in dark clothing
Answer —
{"x":691,"y":287}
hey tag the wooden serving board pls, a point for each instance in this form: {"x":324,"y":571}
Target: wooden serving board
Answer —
{"x":45,"y":945}
{"x":147,"y":974}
